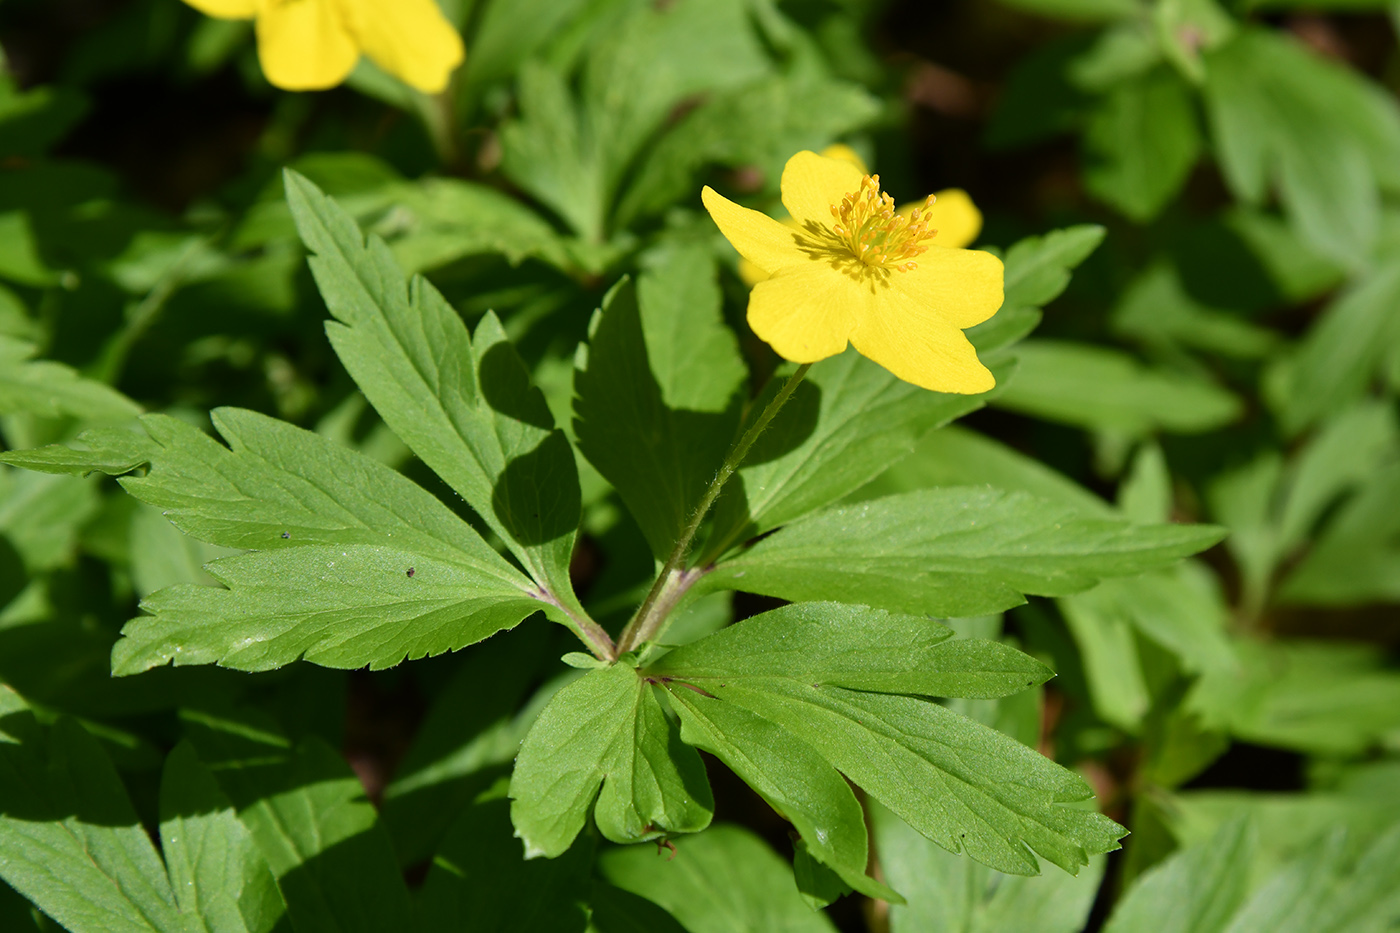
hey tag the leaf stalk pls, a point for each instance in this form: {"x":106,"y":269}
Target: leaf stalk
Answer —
{"x":672,"y":582}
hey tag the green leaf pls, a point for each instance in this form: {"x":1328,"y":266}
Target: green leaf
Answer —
{"x":69,"y":839}
{"x":658,"y":390}
{"x":215,"y":868}
{"x":480,"y":880}
{"x":573,"y":156}
{"x":464,"y":404}
{"x":1157,"y":310}
{"x":1329,"y":137}
{"x":956,"y":456}
{"x":1325,"y":698}
{"x":1078,"y":10}
{"x":619,"y":911}
{"x":440,"y":220}
{"x":792,"y":777}
{"x":308,"y":814}
{"x":950,"y":552}
{"x":1107,"y":390}
{"x":1355,"y":560}
{"x":43,"y":516}
{"x":759,"y":125}
{"x":354,"y":564}
{"x":1141,"y":143}
{"x":1296,"y":268}
{"x":1329,"y":891}
{"x":1037,"y":269}
{"x":52,"y":390}
{"x":1195,"y":891}
{"x":1348,"y":450}
{"x":1339,"y":355}
{"x":950,"y":893}
{"x":963,"y":785}
{"x":606,"y":728}
{"x":848,"y":421}
{"x":856,"y":647}
{"x":99,"y":450}
{"x":725,"y":880}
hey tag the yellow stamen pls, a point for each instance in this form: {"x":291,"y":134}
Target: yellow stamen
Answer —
{"x":867,"y":223}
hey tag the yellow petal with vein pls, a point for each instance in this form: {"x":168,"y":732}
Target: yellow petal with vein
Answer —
{"x":410,"y":39}
{"x":813,"y":183}
{"x":806,"y":313}
{"x":768,"y":244}
{"x":958,"y":287}
{"x":954,"y":216}
{"x":226,"y":9}
{"x":303,"y":45}
{"x":924,"y":350}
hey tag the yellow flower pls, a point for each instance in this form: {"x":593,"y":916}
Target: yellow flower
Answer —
{"x":308,"y":45}
{"x":852,"y":269}
{"x":953,"y":215}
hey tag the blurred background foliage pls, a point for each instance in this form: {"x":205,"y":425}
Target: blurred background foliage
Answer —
{"x":1228,"y":351}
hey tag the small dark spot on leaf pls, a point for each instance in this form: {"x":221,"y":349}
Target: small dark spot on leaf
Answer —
{"x":286,"y":534}
{"x":411,"y":571}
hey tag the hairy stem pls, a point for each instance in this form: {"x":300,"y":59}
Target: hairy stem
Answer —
{"x":654,"y":609}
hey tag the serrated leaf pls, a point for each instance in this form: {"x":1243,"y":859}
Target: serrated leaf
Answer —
{"x":794,"y":779}
{"x":354,"y":564}
{"x":480,"y":880}
{"x":963,"y":785}
{"x":342,"y":606}
{"x":1108,"y":390}
{"x":848,"y":421}
{"x":606,"y":728}
{"x":70,"y":840}
{"x":951,"y":893}
{"x":856,"y":647}
{"x":52,"y":390}
{"x":215,"y":868}
{"x":100,"y":450}
{"x":726,"y":880}
{"x":307,"y":812}
{"x":657,"y":394}
{"x":951,"y":552}
{"x":464,"y":404}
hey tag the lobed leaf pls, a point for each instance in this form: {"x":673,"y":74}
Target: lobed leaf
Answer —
{"x":951,"y":552}
{"x":608,"y":729}
{"x":464,"y":404}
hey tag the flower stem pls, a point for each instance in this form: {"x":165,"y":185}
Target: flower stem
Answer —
{"x":653,"y":611}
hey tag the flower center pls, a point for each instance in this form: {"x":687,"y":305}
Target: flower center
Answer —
{"x":867,"y":223}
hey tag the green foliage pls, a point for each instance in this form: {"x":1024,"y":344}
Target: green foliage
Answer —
{"x":273,"y":587}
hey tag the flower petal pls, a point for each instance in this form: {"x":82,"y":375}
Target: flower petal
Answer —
{"x":846,"y":154}
{"x":921,"y":349}
{"x":226,"y":9}
{"x":806,"y":313}
{"x":410,"y":39}
{"x":768,"y":244}
{"x":954,"y":216}
{"x":812,"y":184}
{"x":303,"y":45}
{"x":957,"y":287}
